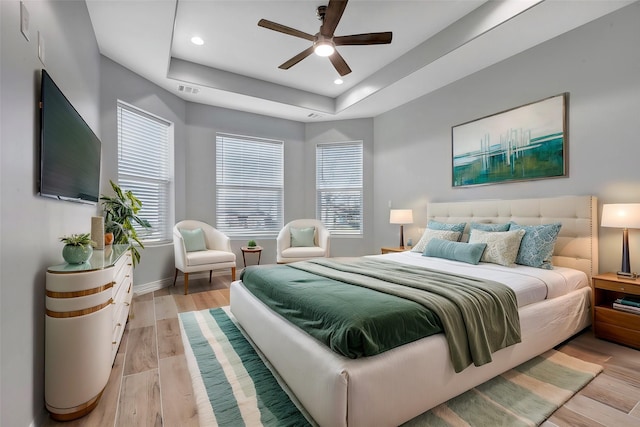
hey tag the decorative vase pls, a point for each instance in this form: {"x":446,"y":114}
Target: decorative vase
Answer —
{"x":75,"y":254}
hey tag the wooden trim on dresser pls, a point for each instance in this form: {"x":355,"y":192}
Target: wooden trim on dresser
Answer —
{"x":76,"y":313}
{"x":82,"y":293}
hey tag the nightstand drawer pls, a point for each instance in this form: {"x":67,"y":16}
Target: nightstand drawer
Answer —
{"x":626,"y":287}
{"x":617,"y":334}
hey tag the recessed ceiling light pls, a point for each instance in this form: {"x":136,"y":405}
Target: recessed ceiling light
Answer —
{"x":197,"y":40}
{"x":338,"y":81}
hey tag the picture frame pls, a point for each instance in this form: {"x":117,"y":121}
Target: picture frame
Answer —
{"x":524,"y":143}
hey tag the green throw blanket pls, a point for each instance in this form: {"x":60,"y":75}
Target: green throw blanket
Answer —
{"x":477,"y":316}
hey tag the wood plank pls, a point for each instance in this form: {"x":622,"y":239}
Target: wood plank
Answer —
{"x":143,"y":297}
{"x":169,"y":338}
{"x":612,"y":392}
{"x":141,"y":314}
{"x":184,"y":303}
{"x":178,"y":401}
{"x":139,"y":403}
{"x":141,"y":352}
{"x":600,"y":412}
{"x":564,"y":417}
{"x":165,"y":307}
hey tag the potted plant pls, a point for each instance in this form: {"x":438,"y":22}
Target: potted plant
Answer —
{"x":121,"y":213}
{"x":77,"y":249}
{"x":251,"y":244}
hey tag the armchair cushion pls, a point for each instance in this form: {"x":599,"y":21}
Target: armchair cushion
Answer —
{"x":209,"y":257}
{"x":302,"y":237}
{"x":193,"y":240}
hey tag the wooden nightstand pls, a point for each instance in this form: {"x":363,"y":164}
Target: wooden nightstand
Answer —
{"x":387,"y":250}
{"x":610,"y":324}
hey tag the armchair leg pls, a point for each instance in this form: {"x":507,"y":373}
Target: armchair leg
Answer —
{"x":210,"y":273}
{"x":233,"y":274}
{"x":175,"y":277}
{"x":186,"y":283}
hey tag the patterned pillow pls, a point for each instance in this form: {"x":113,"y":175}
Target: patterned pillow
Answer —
{"x":537,"y":244}
{"x":502,"y":246}
{"x":435,"y":234}
{"x":489,"y":227}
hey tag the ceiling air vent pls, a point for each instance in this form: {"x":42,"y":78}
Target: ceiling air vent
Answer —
{"x":314,"y":115}
{"x":188,"y":89}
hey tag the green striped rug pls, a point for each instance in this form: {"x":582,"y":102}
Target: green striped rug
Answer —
{"x":234,"y":387}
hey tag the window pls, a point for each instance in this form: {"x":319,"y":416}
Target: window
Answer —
{"x":145,"y":166}
{"x":249,"y":185}
{"x":339,"y":187}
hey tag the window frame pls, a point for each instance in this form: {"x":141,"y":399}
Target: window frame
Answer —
{"x":341,"y":231}
{"x":165,"y":214}
{"x":272,"y":188}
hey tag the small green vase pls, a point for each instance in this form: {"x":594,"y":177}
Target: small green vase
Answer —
{"x":76,"y":254}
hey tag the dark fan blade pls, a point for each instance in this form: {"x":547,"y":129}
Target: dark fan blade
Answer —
{"x":332,"y":16}
{"x":339,"y":63}
{"x":299,"y":57}
{"x":363,"y":39}
{"x":284,"y":29}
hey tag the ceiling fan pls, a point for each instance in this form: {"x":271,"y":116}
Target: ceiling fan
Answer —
{"x":324,"y":42}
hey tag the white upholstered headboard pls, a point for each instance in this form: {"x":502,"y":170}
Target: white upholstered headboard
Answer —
{"x":577,"y":245}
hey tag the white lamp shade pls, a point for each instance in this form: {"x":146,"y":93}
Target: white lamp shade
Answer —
{"x":621,"y":215}
{"x":401,"y":216}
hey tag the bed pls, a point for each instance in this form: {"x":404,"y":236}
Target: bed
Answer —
{"x":392,"y":387}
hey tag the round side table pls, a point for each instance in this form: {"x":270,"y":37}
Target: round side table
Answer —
{"x":251,"y":250}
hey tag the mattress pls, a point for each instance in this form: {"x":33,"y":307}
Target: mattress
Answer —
{"x":530,"y":284}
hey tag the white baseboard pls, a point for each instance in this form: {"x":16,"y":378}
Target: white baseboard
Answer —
{"x":145,"y":288}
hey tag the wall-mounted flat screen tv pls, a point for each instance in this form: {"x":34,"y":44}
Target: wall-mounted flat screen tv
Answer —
{"x":69,"y":149}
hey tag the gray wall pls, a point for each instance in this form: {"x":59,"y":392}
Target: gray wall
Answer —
{"x":598,"y":64}
{"x":202,"y":124}
{"x":118,"y":83}
{"x":31,"y":225}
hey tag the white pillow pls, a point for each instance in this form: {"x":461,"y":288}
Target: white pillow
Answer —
{"x":502,"y":246}
{"x":435,"y":234}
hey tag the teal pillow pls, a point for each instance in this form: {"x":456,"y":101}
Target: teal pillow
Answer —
{"x":437,"y":225}
{"x":489,"y":227}
{"x":536,"y":248}
{"x":456,"y":251}
{"x":194,"y":240}
{"x":302,"y":237}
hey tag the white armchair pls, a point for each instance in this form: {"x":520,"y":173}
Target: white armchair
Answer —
{"x":288,"y":250}
{"x":197,"y":251}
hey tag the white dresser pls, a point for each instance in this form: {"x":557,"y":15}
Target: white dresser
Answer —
{"x":87,"y":307}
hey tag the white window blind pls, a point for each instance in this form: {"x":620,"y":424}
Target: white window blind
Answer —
{"x":339,"y":187}
{"x":145,"y":167}
{"x":249,"y":185}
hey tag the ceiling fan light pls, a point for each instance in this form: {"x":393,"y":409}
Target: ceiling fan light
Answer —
{"x":197,"y":40}
{"x":324,"y":48}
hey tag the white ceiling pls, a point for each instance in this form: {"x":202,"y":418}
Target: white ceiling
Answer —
{"x":435,"y":42}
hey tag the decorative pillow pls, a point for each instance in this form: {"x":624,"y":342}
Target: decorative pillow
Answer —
{"x":435,"y":234}
{"x":456,"y":251}
{"x":537,"y":244}
{"x":437,"y":225}
{"x":502,"y":246}
{"x":302,"y":237}
{"x":194,"y":240}
{"x":490,"y":227}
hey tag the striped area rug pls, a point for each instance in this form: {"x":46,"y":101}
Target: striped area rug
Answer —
{"x":234,"y":387}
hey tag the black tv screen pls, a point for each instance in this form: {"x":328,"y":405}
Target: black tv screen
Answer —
{"x":69,"y":149}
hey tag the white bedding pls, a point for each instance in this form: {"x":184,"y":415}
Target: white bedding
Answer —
{"x":530,"y":284}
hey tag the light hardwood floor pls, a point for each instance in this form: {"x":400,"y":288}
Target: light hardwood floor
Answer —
{"x":150,"y":383}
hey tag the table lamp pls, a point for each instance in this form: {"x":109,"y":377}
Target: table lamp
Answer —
{"x":401,"y":216}
{"x":625,"y":216}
